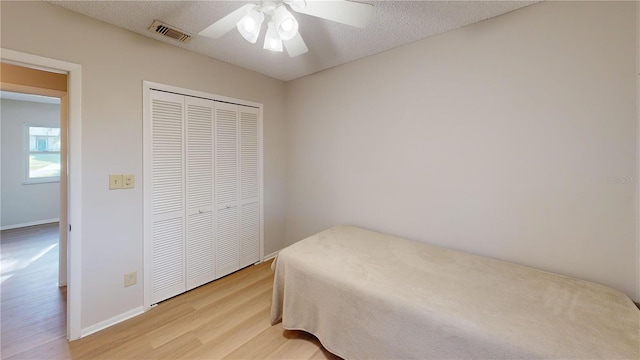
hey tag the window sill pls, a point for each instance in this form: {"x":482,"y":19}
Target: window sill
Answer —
{"x":36,"y":182}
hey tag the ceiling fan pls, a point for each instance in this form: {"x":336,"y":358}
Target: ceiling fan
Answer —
{"x":282,"y":27}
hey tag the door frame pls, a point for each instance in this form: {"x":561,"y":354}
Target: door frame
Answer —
{"x":74,"y":185}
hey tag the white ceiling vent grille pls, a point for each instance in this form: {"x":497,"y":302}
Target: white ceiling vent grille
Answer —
{"x":170,"y":31}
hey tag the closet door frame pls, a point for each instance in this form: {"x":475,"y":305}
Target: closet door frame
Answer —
{"x":147,"y":87}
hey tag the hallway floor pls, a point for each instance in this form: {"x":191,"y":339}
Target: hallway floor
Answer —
{"x":33,"y":309}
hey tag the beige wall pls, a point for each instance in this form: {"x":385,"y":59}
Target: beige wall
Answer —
{"x":513,"y":138}
{"x":114,"y":64}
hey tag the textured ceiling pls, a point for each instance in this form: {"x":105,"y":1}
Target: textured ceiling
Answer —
{"x":394,"y":23}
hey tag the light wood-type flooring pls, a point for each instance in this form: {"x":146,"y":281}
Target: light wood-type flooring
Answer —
{"x":33,"y":307}
{"x":228,"y":318}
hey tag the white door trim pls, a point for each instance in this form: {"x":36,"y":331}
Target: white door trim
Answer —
{"x":74,"y":243}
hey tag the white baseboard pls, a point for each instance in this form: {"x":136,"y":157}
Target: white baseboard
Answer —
{"x":112,"y":321}
{"x":271,"y":256}
{"x":32,"y":223}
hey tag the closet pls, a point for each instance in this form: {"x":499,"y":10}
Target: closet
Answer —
{"x":202,"y":190}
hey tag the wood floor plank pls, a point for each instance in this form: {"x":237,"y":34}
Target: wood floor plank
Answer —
{"x":298,"y":345}
{"x":267,"y":341}
{"x":176,"y":348}
{"x":51,"y":350}
{"x":220,"y":346}
{"x":323,"y":354}
{"x":224,"y":321}
{"x":230,"y":284}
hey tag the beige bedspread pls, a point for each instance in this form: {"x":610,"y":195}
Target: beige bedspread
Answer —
{"x":367,"y":295}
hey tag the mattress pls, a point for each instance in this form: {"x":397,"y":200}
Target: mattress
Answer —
{"x":367,"y":295}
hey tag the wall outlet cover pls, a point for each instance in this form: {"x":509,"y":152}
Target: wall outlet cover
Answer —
{"x":128,"y":181}
{"x":130,"y":279}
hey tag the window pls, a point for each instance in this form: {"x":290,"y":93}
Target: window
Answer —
{"x":43,"y":154}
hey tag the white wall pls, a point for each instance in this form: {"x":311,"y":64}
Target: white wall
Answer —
{"x":25,"y":204}
{"x":114,"y":64}
{"x":513,"y":138}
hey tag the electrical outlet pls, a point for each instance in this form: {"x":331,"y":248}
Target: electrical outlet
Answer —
{"x":115,"y":182}
{"x":128,"y":181}
{"x":130,"y":279}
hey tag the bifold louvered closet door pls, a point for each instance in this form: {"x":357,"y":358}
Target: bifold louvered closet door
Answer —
{"x":200,"y":247}
{"x":202,"y":207}
{"x":237,"y":197}
{"x":167,"y":201}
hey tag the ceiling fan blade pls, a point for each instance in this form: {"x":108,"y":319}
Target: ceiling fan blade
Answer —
{"x":295,"y":46}
{"x":224,"y":25}
{"x":342,"y":11}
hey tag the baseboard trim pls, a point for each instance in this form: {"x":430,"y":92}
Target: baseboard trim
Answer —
{"x":271,"y":256}
{"x":32,"y":223}
{"x":112,"y":321}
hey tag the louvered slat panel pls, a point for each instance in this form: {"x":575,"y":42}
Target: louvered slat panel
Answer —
{"x":248,"y":153}
{"x":167,"y":156}
{"x":200,"y":249}
{"x":200,"y":261}
{"x":226,"y":156}
{"x":167,"y":196}
{"x":249,"y":234}
{"x":168,"y":259}
{"x":227,"y":257}
{"x":199,"y":156}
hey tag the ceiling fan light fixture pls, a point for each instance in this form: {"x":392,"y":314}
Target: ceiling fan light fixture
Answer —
{"x":282,"y":30}
{"x":249,"y":26}
{"x":272,"y":40}
{"x":297,"y":5}
{"x":286,"y":24}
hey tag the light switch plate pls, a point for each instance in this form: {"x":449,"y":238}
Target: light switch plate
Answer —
{"x":128,"y":181}
{"x":115,"y":182}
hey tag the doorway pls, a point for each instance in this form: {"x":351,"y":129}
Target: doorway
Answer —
{"x":70,"y":185}
{"x":35,"y":152}
{"x":34,"y":203}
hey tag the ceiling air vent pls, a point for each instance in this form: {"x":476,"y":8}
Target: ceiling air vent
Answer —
{"x":170,"y":31}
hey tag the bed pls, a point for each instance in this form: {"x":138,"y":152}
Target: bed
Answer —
{"x":367,"y":295}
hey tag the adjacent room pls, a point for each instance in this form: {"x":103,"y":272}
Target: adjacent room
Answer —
{"x":196,"y":148}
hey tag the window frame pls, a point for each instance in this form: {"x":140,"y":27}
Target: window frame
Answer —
{"x":28,"y":180}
